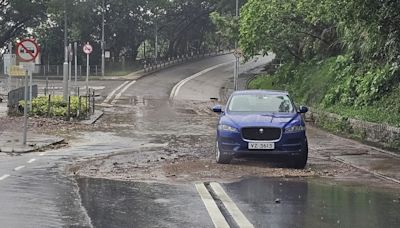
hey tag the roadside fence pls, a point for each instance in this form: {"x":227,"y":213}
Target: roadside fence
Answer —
{"x":163,"y":63}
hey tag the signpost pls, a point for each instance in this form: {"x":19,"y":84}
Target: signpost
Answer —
{"x":238,"y":54}
{"x":27,"y":51}
{"x":76,"y":62}
{"x":87,"y":49}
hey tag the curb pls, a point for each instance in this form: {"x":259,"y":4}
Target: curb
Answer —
{"x":32,"y":147}
{"x":93,"y":118}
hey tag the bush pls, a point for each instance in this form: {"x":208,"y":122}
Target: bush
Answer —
{"x":58,"y":107}
{"x":338,"y":85}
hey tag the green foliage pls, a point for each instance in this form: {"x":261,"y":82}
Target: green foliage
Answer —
{"x":58,"y":107}
{"x":363,"y":35}
{"x":291,"y":29}
{"x":19,"y":15}
{"x":334,"y":85}
{"x":307,"y":82}
{"x":360,"y":85}
{"x":227,"y":28}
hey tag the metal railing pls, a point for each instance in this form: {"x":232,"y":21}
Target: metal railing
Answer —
{"x":162,"y":63}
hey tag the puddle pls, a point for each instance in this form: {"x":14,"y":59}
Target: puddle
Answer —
{"x":314,"y":203}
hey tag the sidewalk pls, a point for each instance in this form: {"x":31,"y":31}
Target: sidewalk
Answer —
{"x":11,"y":139}
{"x":11,"y":142}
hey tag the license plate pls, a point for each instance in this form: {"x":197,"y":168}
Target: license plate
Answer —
{"x":261,"y":146}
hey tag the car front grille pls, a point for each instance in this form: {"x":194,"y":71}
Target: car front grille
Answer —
{"x":261,"y":133}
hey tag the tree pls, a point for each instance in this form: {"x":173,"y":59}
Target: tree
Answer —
{"x":288,"y":28}
{"x":18,"y":15}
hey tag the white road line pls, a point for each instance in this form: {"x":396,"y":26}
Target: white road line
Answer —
{"x":42,"y":154}
{"x":212,"y":208}
{"x":121,"y":92}
{"x":108,"y":98}
{"x":177,"y":87}
{"x":4,"y":177}
{"x":235,"y":212}
{"x":19,"y":167}
{"x":32,"y":160}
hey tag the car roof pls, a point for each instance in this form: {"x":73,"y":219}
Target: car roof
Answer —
{"x":260,"y":92}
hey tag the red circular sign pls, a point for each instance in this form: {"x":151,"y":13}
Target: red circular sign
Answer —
{"x":27,"y":50}
{"x":87,"y":48}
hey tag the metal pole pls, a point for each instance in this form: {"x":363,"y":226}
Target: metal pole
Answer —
{"x":65,"y":65}
{"x":9,"y":81}
{"x":102,"y":42}
{"x":237,"y":58}
{"x":25,"y":110}
{"x":156,"y":44}
{"x":30,"y":90}
{"x":76,"y":62}
{"x":69,"y":67}
{"x":87,"y":72}
{"x":47,"y":81}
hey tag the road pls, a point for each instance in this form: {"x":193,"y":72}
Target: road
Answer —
{"x":149,"y":163}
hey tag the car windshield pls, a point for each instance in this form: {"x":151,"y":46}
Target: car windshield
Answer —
{"x":260,"y":103}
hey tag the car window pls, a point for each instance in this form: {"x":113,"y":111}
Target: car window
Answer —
{"x":260,"y":103}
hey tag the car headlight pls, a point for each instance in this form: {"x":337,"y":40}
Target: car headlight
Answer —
{"x":223,"y":127}
{"x":296,"y":128}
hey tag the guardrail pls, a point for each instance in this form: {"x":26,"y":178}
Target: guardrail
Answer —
{"x":163,"y":63}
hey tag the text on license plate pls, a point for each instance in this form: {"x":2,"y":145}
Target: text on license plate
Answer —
{"x":261,"y":146}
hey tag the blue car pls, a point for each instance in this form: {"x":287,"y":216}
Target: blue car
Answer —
{"x":261,"y":122}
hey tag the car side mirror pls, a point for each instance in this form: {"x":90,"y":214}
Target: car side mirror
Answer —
{"x":303,"y":109}
{"x":217,"y":109}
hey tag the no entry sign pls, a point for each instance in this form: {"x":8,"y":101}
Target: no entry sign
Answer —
{"x":27,"y":50}
{"x":87,"y":48}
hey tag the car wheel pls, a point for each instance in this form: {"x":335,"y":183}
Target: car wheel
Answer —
{"x":301,"y":161}
{"x":222,"y":158}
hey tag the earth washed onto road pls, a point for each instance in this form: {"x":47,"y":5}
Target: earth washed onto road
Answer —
{"x":179,"y":147}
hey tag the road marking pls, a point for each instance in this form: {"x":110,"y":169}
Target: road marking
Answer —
{"x":19,"y":167}
{"x":121,"y":92}
{"x":32,"y":160}
{"x":42,"y":154}
{"x":4,"y":177}
{"x":178,"y":86}
{"x":216,"y":216}
{"x":235,"y":212}
{"x":108,"y":98}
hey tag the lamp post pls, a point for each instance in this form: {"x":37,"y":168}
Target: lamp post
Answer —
{"x":237,"y":63}
{"x":156,"y":42}
{"x":65,"y":65}
{"x":102,"y":40}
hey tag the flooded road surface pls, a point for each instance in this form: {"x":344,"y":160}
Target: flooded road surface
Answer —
{"x":314,"y":203}
{"x":40,"y":195}
{"x":136,"y":204}
{"x":266,"y":202}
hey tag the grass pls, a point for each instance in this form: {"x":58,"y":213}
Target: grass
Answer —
{"x":308,"y":84}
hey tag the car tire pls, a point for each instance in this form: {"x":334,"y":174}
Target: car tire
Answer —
{"x":222,"y":158}
{"x":301,"y":161}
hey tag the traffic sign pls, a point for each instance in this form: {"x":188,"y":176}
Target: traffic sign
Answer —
{"x":87,"y":48}
{"x":9,"y":60}
{"x":27,"y":50}
{"x":238,"y":53}
{"x":16,"y":71}
{"x":107,"y":54}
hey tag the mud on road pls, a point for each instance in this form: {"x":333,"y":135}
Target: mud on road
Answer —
{"x":175,"y":143}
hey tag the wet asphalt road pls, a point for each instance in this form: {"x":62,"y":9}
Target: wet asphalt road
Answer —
{"x":266,"y":202}
{"x":40,"y":194}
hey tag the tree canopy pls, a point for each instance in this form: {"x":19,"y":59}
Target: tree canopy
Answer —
{"x":182,"y":26}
